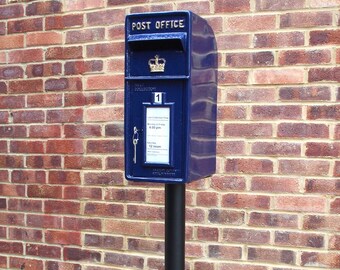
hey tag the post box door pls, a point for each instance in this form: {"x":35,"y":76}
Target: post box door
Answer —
{"x":157,"y":141}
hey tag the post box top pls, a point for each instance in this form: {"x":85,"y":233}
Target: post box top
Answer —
{"x":158,"y":22}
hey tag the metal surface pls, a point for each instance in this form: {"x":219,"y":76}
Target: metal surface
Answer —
{"x":174,"y":226}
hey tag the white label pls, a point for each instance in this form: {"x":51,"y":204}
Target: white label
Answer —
{"x":157,"y":98}
{"x":158,"y":135}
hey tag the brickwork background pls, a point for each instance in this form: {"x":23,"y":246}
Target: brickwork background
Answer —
{"x":274,"y":202}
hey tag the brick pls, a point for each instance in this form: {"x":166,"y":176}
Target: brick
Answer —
{"x":11,"y":72}
{"x":252,"y":166}
{"x":87,"y":35}
{"x":104,"y":209}
{"x":302,"y":130}
{"x":323,"y":223}
{"x":202,"y":266}
{"x":230,"y":217}
{"x":43,"y":8}
{"x":12,"y":131}
{"x":233,"y":77}
{"x":82,"y":131}
{"x":82,"y":99}
{"x":149,"y":246}
{"x":276,"y":149}
{"x":279,"y":40}
{"x":335,"y":206}
{"x":115,"y":163}
{"x":270,"y":5}
{"x":29,"y":264}
{"x":72,"y":192}
{"x":324,"y":37}
{"x":105,"y":241}
{"x":4,"y":117}
{"x":63,"y":53}
{"x":229,"y":42}
{"x":12,"y":190}
{"x":64,"y":177}
{"x":271,"y":255}
{"x":25,"y":234}
{"x":233,"y":266}
{"x":248,"y":130}
{"x":250,"y":59}
{"x":245,"y":201}
{"x":295,"y":57}
{"x":324,"y":3}
{"x":124,"y":260}
{"x":323,"y":112}
{"x":275,"y":184}
{"x":11,"y":11}
{"x":230,"y":147}
{"x":28,"y":176}
{"x":321,"y":186}
{"x":83,"y":67}
{"x":116,"y":32}
{"x":44,"y":191}
{"x":207,"y":234}
{"x":64,"y":116}
{"x":101,"y":82}
{"x":107,"y":17}
{"x":125,"y":227}
{"x":25,"y":86}
{"x":250,"y":23}
{"x":273,"y":220}
{"x":304,"y":167}
{"x":44,"y":100}
{"x":194,"y":215}
{"x":276,"y":112}
{"x":231,"y":112}
{"x":250,"y":94}
{"x":44,"y":131}
{"x":62,"y":265}
{"x":103,"y":178}
{"x":25,"y":56}
{"x":64,"y":84}
{"x":224,"y":252}
{"x":104,"y":114}
{"x":246,"y":236}
{"x":300,"y":204}
{"x":24,"y":26}
{"x":44,"y":221}
{"x":2,"y":28}
{"x":82,"y":224}
{"x":114,"y":130}
{"x":63,"y":237}
{"x":308,"y":93}
{"x":3,"y":147}
{"x":336,"y":169}
{"x":12,"y":219}
{"x":44,"y":38}
{"x":24,"y":205}
{"x":43,"y":251}
{"x":105,"y":49}
{"x":130,"y":195}
{"x":76,"y":162}
{"x":105,"y":146}
{"x":65,"y":146}
{"x":230,"y":6}
{"x":47,"y":162}
{"x":11,"y":247}
{"x":334,"y":242}
{"x":11,"y":161}
{"x":28,"y":116}
{"x":27,"y":147}
{"x":43,"y":70}
{"x":11,"y":42}
{"x":3,"y":88}
{"x":324,"y":74}
{"x":62,"y":207}
{"x":328,"y":259}
{"x":279,"y":76}
{"x":81,"y":5}
{"x":207,"y":199}
{"x":305,"y":19}
{"x":63,"y":22}
{"x":323,"y":149}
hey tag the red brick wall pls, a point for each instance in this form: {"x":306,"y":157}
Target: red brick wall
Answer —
{"x":274,"y":202}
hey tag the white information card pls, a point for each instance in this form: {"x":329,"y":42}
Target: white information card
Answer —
{"x":158,"y":135}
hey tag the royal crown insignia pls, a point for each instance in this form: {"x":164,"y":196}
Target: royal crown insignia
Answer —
{"x":157,"y":64}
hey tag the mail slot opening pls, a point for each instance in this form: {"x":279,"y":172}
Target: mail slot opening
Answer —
{"x":147,"y":42}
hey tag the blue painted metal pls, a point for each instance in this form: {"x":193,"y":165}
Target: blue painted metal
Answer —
{"x":189,"y":85}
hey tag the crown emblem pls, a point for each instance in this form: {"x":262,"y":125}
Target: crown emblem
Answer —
{"x":157,"y":64}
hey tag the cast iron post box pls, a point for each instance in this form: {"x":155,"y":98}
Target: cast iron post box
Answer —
{"x":170,"y":97}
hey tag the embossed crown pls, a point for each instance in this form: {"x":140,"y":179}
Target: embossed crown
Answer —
{"x":157,"y":64}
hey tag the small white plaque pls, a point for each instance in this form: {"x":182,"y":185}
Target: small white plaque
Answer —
{"x":158,"y":135}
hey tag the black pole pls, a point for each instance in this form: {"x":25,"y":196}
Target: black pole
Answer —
{"x":174,"y":226}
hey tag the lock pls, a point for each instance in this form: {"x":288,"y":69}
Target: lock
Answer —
{"x":170,"y":97}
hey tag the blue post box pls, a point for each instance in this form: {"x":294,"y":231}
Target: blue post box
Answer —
{"x":170,"y":97}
